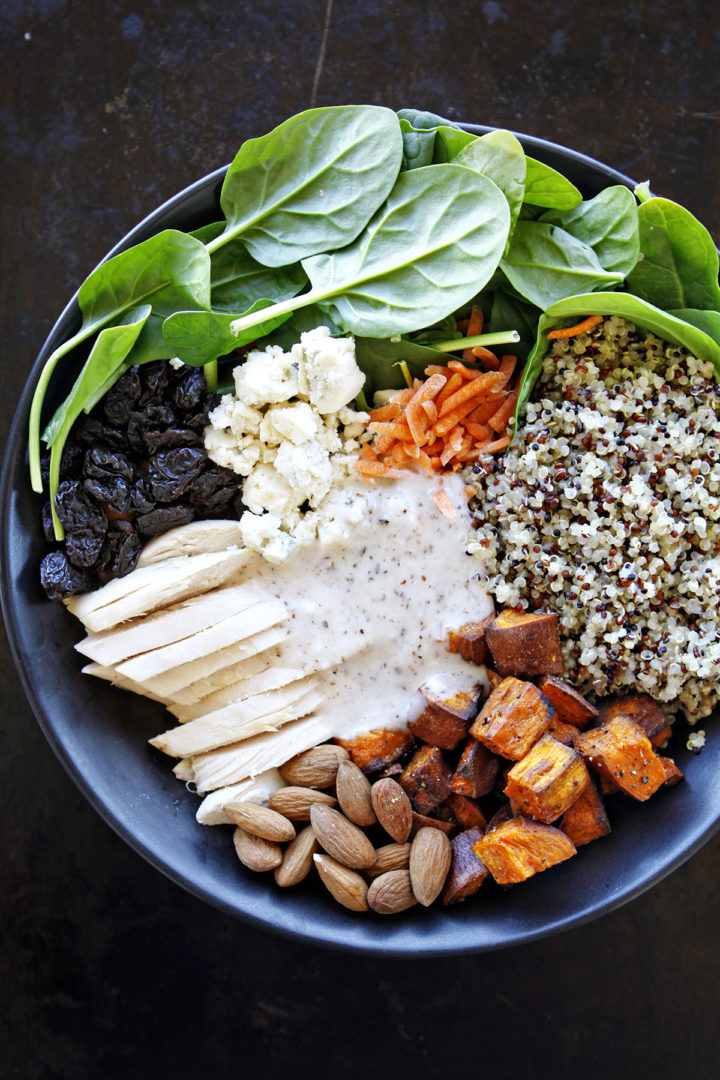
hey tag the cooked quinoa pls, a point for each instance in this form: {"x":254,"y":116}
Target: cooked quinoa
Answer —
{"x":607,"y":511}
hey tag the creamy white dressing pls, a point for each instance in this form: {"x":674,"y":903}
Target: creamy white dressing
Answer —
{"x":371,"y":612}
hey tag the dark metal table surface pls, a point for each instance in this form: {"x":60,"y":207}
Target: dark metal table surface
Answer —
{"x":107,"y":969}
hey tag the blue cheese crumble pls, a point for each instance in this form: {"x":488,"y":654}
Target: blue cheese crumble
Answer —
{"x":290,"y":431}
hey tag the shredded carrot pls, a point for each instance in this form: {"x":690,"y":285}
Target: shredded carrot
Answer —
{"x":487,"y":359}
{"x":402,"y":395}
{"x":579,"y":328}
{"x":463,"y":325}
{"x":483,"y":412}
{"x":454,"y":383}
{"x":466,"y":372}
{"x":442,"y":501}
{"x":493,"y":447}
{"x":430,"y":410}
{"x":475,"y":326}
{"x":479,"y":432}
{"x":417,"y":421}
{"x":428,"y":390}
{"x":499,"y":419}
{"x":507,"y":365}
{"x":371,"y":468}
{"x":386,"y":412}
{"x":489,"y":380}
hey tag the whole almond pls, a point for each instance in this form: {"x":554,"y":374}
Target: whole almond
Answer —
{"x":391,"y":893}
{"x":255,"y":853}
{"x":389,"y":857}
{"x":314,"y":768}
{"x":260,"y":821}
{"x":353,"y":794}
{"x":393,"y":808}
{"x":295,"y":802}
{"x":340,"y":838}
{"x":348,"y":888}
{"x":297,"y":859}
{"x":430,"y":858}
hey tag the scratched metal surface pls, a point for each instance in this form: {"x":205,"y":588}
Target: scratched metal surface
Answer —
{"x":107,"y":969}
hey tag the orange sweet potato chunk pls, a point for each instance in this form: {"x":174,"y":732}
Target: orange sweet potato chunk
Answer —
{"x":525,"y":643}
{"x":620,"y":751}
{"x":570,"y":706}
{"x":469,"y":641}
{"x":586,"y":819}
{"x":476,"y":771}
{"x":564,"y":733}
{"x":467,"y":871}
{"x":422,"y":821}
{"x":447,"y":714}
{"x":638,"y":707}
{"x":547,"y":780}
{"x":520,"y":848}
{"x":673,"y":773}
{"x":378,"y":748}
{"x":513,"y":718}
{"x":466,"y":812}
{"x":426,"y":779}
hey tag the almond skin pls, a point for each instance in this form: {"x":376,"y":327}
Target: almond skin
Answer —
{"x":255,"y":853}
{"x":389,"y":857}
{"x":314,"y":768}
{"x":430,"y":858}
{"x":353,"y":794}
{"x":348,"y":888}
{"x":393,"y":808}
{"x":260,"y":821}
{"x":295,"y":802}
{"x":391,"y":893}
{"x":342,"y":840}
{"x":297,"y":859}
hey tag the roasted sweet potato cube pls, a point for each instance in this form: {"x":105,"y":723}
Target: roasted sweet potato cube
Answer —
{"x":525,"y":643}
{"x":469,"y":641}
{"x":476,"y":771}
{"x":420,"y":821}
{"x":547,"y":780}
{"x":638,"y":707}
{"x":449,"y":709}
{"x":377,"y":749}
{"x":621,"y":751}
{"x":426,"y":779}
{"x":466,"y":812}
{"x":504,"y":813}
{"x":673,"y":773}
{"x":564,"y":733}
{"x":493,"y":678}
{"x":520,"y":848}
{"x":467,"y":871}
{"x":586,"y":819}
{"x":514,"y":717}
{"x":661,"y":737}
{"x":608,"y":785}
{"x":570,"y":706}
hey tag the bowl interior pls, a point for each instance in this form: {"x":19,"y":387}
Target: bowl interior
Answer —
{"x":100,"y":734}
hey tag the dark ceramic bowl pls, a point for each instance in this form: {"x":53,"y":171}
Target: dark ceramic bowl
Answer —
{"x":100,"y":734}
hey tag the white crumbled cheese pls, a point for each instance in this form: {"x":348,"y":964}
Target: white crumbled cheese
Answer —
{"x":327,"y":372}
{"x":290,"y":430}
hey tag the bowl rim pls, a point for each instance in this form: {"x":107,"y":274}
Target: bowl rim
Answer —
{"x":16,"y":445}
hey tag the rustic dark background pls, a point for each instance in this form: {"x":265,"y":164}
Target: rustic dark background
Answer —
{"x":106,"y":969}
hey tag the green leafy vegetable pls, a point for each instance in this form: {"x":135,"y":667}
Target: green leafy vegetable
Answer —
{"x":449,"y":141}
{"x":170,"y":270}
{"x":380,"y":358}
{"x":237,"y":280}
{"x":707,"y":321}
{"x":609,"y":223}
{"x":547,"y":187}
{"x":436,"y":241}
{"x":101,"y":370}
{"x":200,"y":337}
{"x":679,"y":263}
{"x":500,"y":156}
{"x":300,"y":322}
{"x":419,"y":130}
{"x":545,"y":264}
{"x":507,"y":310}
{"x":312,"y":183}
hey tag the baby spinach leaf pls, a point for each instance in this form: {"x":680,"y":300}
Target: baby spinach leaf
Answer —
{"x":678,"y":267}
{"x":547,"y":187}
{"x":421,"y":120}
{"x":206,"y":233}
{"x":643,"y":314}
{"x":101,"y":370}
{"x":200,"y":337}
{"x":434,"y":243}
{"x":545,"y":264}
{"x":429,"y":249}
{"x":449,"y":141}
{"x":500,"y":156}
{"x":237,"y":280}
{"x":380,"y":358}
{"x":312,"y":183}
{"x":609,"y":223}
{"x":418,"y":146}
{"x":707,"y":321}
{"x":507,"y":312}
{"x":533,"y":367}
{"x":170,"y":270}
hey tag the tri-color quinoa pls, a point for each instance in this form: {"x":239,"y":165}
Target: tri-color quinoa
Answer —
{"x":607,"y":510}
